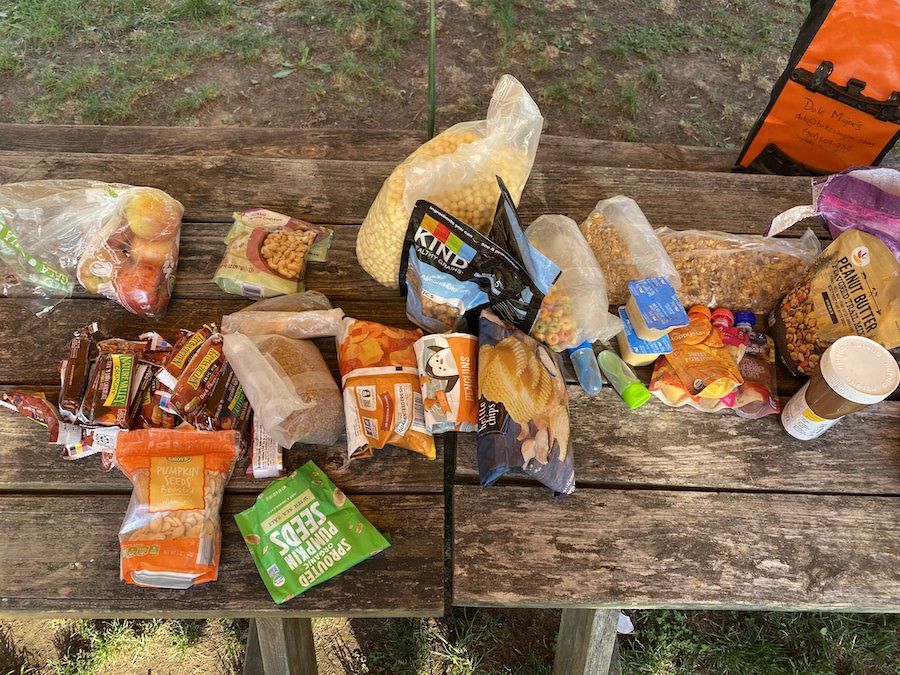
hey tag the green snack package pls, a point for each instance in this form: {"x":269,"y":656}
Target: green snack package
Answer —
{"x":303,"y":531}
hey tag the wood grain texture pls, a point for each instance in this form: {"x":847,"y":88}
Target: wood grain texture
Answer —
{"x":28,"y":463}
{"x":587,"y":639}
{"x":518,"y":546}
{"x":360,"y":144}
{"x":286,"y":646}
{"x":252,"y":657}
{"x":61,"y":558}
{"x":340,"y":191}
{"x":39,"y":344}
{"x":666,"y":447}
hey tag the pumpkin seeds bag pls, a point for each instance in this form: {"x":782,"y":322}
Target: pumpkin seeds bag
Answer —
{"x":303,"y":531}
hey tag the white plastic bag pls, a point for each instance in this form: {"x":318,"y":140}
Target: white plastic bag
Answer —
{"x":456,"y":171}
{"x":117,"y":240}
{"x":626,"y":246}
{"x":289,"y":386}
{"x":576,"y":309}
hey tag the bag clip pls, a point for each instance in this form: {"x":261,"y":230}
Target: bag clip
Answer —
{"x":851,"y":95}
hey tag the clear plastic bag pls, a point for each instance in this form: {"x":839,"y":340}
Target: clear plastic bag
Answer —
{"x":456,"y":171}
{"x":289,"y":386}
{"x":116,"y":240}
{"x":314,"y":323}
{"x":576,"y":309}
{"x":737,"y":271}
{"x":626,"y":246}
{"x":292,"y":302}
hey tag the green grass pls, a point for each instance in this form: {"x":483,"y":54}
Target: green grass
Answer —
{"x":193,"y":100}
{"x":749,"y":643}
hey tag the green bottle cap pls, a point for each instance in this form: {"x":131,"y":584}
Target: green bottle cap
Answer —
{"x":635,"y":395}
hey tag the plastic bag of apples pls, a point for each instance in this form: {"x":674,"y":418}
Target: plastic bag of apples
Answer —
{"x":117,"y":240}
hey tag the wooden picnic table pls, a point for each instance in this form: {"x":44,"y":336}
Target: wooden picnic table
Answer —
{"x":673,"y":508}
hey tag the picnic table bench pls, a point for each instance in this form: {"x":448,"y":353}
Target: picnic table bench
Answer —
{"x":673,"y":508}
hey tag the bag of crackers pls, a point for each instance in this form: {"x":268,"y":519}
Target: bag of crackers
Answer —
{"x":267,"y":252}
{"x":172,"y":535}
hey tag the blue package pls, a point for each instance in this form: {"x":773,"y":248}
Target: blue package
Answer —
{"x":638,"y":346}
{"x":658,"y":303}
{"x":523,"y":415}
{"x":450,"y":272}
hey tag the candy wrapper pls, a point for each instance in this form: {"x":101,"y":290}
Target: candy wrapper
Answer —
{"x":75,"y":372}
{"x":449,"y":382}
{"x":302,"y":531}
{"x":382,"y":399}
{"x":523,"y":416}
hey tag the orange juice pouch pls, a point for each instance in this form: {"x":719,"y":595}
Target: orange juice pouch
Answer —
{"x":380,"y":382}
{"x":172,"y":535}
{"x":449,"y":381}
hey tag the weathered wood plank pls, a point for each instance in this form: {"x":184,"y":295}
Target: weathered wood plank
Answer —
{"x":252,"y":657}
{"x":666,"y":447}
{"x":361,"y":144}
{"x":518,"y":546}
{"x":40,"y":343}
{"x":60,"y":558}
{"x":29,"y":463}
{"x":340,"y":191}
{"x":587,"y":639}
{"x":287,"y":646}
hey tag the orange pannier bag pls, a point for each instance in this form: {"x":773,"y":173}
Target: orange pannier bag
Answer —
{"x":172,"y":534}
{"x":837,"y":104}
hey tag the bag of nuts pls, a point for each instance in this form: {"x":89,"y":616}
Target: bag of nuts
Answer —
{"x":852,"y":289}
{"x":626,"y":247}
{"x":172,"y":535}
{"x":267,"y":253}
{"x":741,"y":271}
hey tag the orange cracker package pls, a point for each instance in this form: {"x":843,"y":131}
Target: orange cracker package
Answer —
{"x":380,"y":379}
{"x":449,"y":381}
{"x":172,"y":535}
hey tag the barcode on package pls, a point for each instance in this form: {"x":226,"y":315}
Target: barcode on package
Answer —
{"x":418,"y":423}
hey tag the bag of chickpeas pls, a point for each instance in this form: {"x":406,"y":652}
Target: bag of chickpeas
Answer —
{"x":172,"y":533}
{"x":456,"y":170}
{"x":267,"y":252}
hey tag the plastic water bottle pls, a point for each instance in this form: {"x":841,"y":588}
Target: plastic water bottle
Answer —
{"x":586,"y":368}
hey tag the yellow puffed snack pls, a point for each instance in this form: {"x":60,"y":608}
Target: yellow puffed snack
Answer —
{"x":455,"y":170}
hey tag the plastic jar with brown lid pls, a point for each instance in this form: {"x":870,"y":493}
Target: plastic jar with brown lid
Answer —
{"x":854,"y":372}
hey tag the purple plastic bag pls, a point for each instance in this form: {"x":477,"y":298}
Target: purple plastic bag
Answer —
{"x":863,"y":198}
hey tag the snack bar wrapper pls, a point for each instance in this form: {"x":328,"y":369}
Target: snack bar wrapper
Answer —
{"x":523,"y":415}
{"x":449,"y":383}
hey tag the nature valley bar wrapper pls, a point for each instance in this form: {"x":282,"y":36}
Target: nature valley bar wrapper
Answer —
{"x":303,"y":531}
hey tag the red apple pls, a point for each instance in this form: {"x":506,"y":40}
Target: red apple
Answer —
{"x":143,"y":289}
{"x":153,"y":214}
{"x":153,"y":251}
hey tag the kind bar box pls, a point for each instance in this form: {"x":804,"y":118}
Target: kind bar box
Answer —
{"x":303,"y":531}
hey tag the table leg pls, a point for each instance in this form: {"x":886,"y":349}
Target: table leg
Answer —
{"x":286,"y":647}
{"x":587,"y":641}
{"x":252,"y":656}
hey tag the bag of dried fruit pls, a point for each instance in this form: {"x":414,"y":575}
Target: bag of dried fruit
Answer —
{"x":456,"y":170}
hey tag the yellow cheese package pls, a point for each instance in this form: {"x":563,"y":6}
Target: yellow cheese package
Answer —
{"x":267,"y":252}
{"x":456,"y":170}
{"x":382,"y":397}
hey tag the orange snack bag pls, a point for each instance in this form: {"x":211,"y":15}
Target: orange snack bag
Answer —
{"x":380,"y":381}
{"x":705,"y":368}
{"x":171,"y":536}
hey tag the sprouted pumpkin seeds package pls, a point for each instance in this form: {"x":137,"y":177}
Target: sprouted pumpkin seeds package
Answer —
{"x":303,"y":531}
